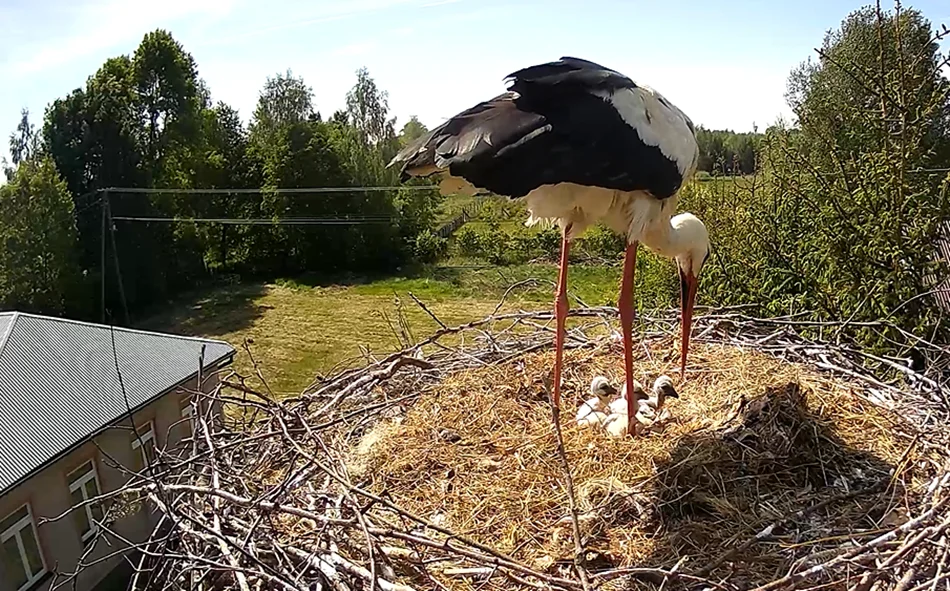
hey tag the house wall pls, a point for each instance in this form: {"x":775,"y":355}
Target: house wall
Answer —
{"x":48,"y":493}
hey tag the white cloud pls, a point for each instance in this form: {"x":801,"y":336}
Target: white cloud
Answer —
{"x":316,"y":13}
{"x":355,"y":49}
{"x":439,"y":3}
{"x":107,"y":24}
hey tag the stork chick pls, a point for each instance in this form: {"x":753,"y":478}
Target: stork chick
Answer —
{"x":591,"y":411}
{"x":662,"y":389}
{"x":648,"y":407}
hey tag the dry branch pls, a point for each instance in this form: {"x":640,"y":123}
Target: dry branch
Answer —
{"x":270,"y":504}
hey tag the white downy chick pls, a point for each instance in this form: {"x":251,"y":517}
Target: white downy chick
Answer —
{"x":592,"y":412}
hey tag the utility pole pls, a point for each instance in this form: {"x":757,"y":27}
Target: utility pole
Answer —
{"x":102,"y":255}
{"x":115,"y":259}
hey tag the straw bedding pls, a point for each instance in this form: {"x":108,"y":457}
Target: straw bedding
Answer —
{"x":788,"y":461}
{"x":750,"y":439}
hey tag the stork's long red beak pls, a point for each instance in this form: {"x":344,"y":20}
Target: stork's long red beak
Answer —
{"x":688,"y":285}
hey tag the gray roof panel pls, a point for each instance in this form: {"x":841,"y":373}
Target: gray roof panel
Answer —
{"x":59,"y":386}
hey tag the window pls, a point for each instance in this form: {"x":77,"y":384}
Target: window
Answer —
{"x":144,"y":442}
{"x":83,"y":486}
{"x":19,"y":551}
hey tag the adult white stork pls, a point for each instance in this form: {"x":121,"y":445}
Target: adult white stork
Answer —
{"x":581,"y":144}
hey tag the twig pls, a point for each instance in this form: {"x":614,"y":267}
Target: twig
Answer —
{"x":427,"y":310}
{"x":569,"y":484}
{"x":769,"y":530}
{"x":272,"y":505}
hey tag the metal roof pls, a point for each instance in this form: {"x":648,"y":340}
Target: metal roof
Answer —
{"x":59,"y":386}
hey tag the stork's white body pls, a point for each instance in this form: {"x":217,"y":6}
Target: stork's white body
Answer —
{"x":637,"y":215}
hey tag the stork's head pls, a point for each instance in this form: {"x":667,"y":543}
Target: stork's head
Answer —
{"x":663,"y":386}
{"x":602,"y":389}
{"x":692,"y":247}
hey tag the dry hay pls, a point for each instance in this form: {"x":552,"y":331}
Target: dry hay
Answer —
{"x":750,"y":440}
{"x":438,"y":468}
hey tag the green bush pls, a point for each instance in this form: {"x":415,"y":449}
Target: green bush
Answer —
{"x":602,"y":242}
{"x":548,"y":241}
{"x":429,"y":247}
{"x":468,"y":242}
{"x":839,"y":222}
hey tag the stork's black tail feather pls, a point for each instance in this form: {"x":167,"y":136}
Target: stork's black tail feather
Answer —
{"x":567,"y":72}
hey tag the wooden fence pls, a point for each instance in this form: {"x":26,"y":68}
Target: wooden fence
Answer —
{"x":942,"y":284}
{"x":467,"y":214}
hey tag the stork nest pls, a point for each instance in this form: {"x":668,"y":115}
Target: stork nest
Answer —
{"x":750,"y":440}
{"x":786,"y":462}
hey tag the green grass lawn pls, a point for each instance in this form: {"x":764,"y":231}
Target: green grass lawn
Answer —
{"x":298,"y":329}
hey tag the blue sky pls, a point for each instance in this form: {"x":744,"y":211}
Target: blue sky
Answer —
{"x":724,"y":63}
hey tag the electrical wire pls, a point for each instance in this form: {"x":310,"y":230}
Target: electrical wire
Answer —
{"x":289,"y":190}
{"x":263,"y":221}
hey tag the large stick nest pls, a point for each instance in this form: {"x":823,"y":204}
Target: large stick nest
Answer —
{"x":784,"y":463}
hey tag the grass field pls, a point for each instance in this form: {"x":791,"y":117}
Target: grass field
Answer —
{"x":299,"y":329}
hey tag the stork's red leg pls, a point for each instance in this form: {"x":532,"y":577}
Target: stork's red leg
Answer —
{"x":560,"y":315}
{"x":626,"y":306}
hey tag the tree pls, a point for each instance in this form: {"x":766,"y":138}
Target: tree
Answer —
{"x":25,"y":142}
{"x":91,"y":135}
{"x":870,"y":65}
{"x":147,"y":120}
{"x":726,"y":152}
{"x":225,"y":148}
{"x":137,"y":123}
{"x":368,"y":110}
{"x":223,"y":163}
{"x":38,"y":270}
{"x":168,"y":104}
{"x":413,"y":129}
{"x":850,"y":218}
{"x":303,"y":155}
{"x":285,"y":100}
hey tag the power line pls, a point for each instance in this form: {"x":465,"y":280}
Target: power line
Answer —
{"x":88,"y":206}
{"x":288,"y":190}
{"x":264,"y":221}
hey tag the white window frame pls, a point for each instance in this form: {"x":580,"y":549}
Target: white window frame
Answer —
{"x":139,"y":439}
{"x":80,"y":484}
{"x":15,"y":531}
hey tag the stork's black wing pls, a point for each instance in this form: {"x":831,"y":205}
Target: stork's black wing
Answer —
{"x":557,"y":124}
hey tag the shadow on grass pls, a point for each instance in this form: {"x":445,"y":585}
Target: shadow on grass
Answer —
{"x":212,"y":310}
{"x":595,"y":285}
{"x":436,"y":282}
{"x":772,"y":458}
{"x":450,"y":275}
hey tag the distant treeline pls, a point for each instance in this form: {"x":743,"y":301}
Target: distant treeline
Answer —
{"x":724,"y":152}
{"x":147,"y":120}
